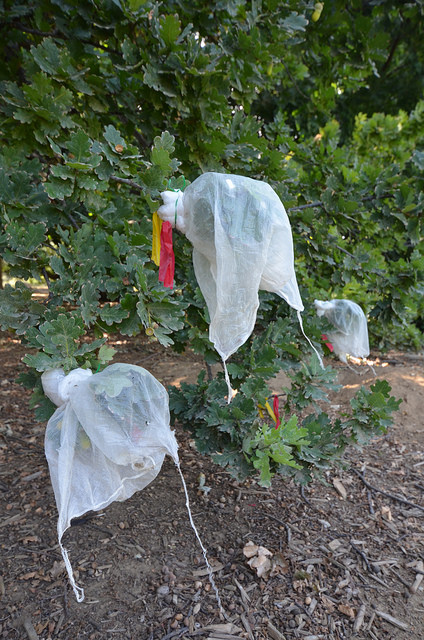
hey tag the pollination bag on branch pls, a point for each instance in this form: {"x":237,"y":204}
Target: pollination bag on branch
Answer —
{"x":242,"y":243}
{"x":107,"y":439}
{"x":350,"y":335}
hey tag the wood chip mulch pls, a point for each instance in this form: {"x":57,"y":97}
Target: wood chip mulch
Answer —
{"x":344,"y":558}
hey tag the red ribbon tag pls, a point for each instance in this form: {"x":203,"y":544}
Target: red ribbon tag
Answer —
{"x":167,"y":257}
{"x":276,"y":406}
{"x":327,"y":342}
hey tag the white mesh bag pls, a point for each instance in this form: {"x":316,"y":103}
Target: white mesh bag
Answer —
{"x":107,"y":439}
{"x":242,"y":243}
{"x":350,"y":335}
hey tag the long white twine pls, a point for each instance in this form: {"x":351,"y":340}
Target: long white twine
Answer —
{"x":301,"y":326}
{"x":205,"y":555}
{"x":79,"y":592}
{"x":228,"y":381}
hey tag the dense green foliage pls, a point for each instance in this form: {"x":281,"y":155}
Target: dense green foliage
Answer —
{"x":239,"y":439}
{"x":103,"y":104}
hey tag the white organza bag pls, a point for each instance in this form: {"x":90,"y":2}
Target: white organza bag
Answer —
{"x":350,"y":335}
{"x":242,"y":243}
{"x":107,"y":439}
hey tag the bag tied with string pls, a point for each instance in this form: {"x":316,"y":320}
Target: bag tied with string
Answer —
{"x":242,"y":242}
{"x":107,"y":439}
{"x":350,"y":334}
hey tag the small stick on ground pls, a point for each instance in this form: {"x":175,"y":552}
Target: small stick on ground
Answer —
{"x":383,"y":584}
{"x":65,"y":600}
{"x":302,"y":493}
{"x":363,"y":556}
{"x":175,"y":634}
{"x":399,"y":577}
{"x":385,"y":493}
{"x":284,"y":524}
{"x":273,"y":632}
{"x":370,"y":504}
{"x":371,"y":622}
{"x":369,"y":496}
{"x":418,"y":578}
{"x":247,"y":626}
{"x":29,"y":628}
{"x":244,"y":595}
{"x":394,"y":621}
{"x":359,"y":620}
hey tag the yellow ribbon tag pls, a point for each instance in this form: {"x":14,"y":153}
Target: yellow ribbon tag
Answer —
{"x":270,"y":411}
{"x":157,"y":226}
{"x":268,"y":408}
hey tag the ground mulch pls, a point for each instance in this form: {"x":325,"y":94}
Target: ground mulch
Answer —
{"x":345,"y":556}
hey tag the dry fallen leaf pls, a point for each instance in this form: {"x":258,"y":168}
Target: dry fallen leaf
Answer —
{"x":264,"y":569}
{"x":259,"y":559}
{"x":57,"y":568}
{"x":216,"y":566}
{"x":228,"y":627}
{"x":348,"y":611}
{"x":30,"y":539}
{"x":263,"y":551}
{"x":250,"y":549}
{"x":334,"y":544}
{"x":279,"y":565}
{"x":328,"y":604}
{"x":262,"y":566}
{"x":386,"y":513}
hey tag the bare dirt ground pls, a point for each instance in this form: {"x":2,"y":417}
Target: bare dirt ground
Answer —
{"x":347,"y":559}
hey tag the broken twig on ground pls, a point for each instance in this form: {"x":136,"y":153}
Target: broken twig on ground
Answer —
{"x":385,"y":493}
